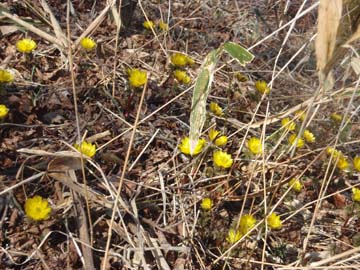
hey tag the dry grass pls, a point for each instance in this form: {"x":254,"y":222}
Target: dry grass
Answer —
{"x":136,"y":204}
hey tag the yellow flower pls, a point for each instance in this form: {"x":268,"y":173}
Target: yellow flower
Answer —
{"x":6,"y":76}
{"x":296,"y":185}
{"x":300,"y":114}
{"x":37,"y":208}
{"x":332,"y":151}
{"x":309,"y":136}
{"x":255,"y":146}
{"x":26,"y":45}
{"x":221,"y":141}
{"x":185,"y":146}
{"x":356,"y":163}
{"x":338,"y":158}
{"x":181,"y":60}
{"x":336,"y":117}
{"x":213,"y":133}
{"x":181,"y":76}
{"x":342,"y":163}
{"x":137,"y":77}
{"x":274,"y":221}
{"x":148,"y":25}
{"x":86,"y":148}
{"x":222,"y":159}
{"x":293,"y":138}
{"x":3,"y":111}
{"x":163,"y":26}
{"x":206,"y":204}
{"x":356,"y":194}
{"x":247,"y":222}
{"x":88,"y":43}
{"x":233,"y":236}
{"x":262,"y":87}
{"x":288,"y":124}
{"x":216,"y":109}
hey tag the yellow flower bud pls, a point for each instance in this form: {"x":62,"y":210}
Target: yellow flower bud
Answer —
{"x":300,"y":141}
{"x":86,"y":148}
{"x":255,"y":145}
{"x":356,"y":194}
{"x":137,"y":78}
{"x":148,"y":25}
{"x":88,"y":43}
{"x":274,"y":221}
{"x":233,"y":236}
{"x":262,"y":87}
{"x":288,"y":124}
{"x":216,"y":109}
{"x":296,"y":185}
{"x":3,"y":111}
{"x":6,"y":76}
{"x":206,"y":204}
{"x":247,"y":222}
{"x":184,"y":146}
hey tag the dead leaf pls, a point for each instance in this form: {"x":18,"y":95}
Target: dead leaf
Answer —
{"x":64,"y":164}
{"x":339,"y":200}
{"x":8,"y":29}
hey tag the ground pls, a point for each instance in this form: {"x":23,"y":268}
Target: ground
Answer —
{"x":138,"y":202}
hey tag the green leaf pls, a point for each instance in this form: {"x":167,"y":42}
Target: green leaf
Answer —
{"x":242,"y":55}
{"x":201,"y":91}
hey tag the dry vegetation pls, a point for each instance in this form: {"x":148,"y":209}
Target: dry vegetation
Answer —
{"x":138,"y":203}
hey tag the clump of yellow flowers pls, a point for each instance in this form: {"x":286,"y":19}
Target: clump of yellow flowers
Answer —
{"x":288,"y":124}
{"x":88,"y":43}
{"x":137,"y":78}
{"x":216,"y":109}
{"x":356,"y":194}
{"x":296,"y":185}
{"x":6,"y":76}
{"x":148,"y":25}
{"x":181,"y":76}
{"x":356,"y":163}
{"x":293,"y":138}
{"x":222,"y":159}
{"x":262,"y":87}
{"x":274,"y":221}
{"x":215,"y":137}
{"x":88,"y":149}
{"x":184,"y":146}
{"x":26,"y":45}
{"x":37,"y":208}
{"x":206,"y":204}
{"x":181,"y":60}
{"x":247,"y":222}
{"x":233,"y":236}
{"x":254,"y":145}
{"x":3,"y":111}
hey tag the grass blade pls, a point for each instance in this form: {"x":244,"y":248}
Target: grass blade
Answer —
{"x":242,"y":55}
{"x":201,"y":91}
